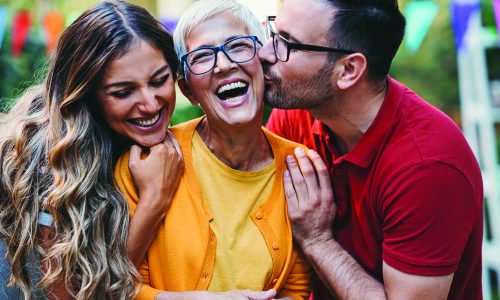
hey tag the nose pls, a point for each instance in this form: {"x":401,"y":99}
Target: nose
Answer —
{"x":266,"y":53}
{"x":223,"y":63}
{"x":148,"y":102}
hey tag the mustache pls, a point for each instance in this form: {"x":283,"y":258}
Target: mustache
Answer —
{"x":266,"y":68}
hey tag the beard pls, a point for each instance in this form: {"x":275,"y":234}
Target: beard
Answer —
{"x":304,"y":93}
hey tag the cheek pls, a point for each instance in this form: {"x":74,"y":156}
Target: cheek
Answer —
{"x":254,"y":70}
{"x":297,"y":68}
{"x":199,"y":83}
{"x":289,"y":72}
{"x":112,"y":122}
{"x":200,"y":87}
{"x":114,"y":114}
{"x":258,"y":73}
{"x":258,"y":84}
{"x":170,"y":98}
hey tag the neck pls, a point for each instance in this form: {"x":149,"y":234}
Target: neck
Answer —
{"x":243,"y":148}
{"x":354,"y":112}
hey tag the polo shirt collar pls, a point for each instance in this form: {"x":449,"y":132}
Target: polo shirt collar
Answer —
{"x":319,"y":128}
{"x":371,"y":142}
{"x":367,"y":148}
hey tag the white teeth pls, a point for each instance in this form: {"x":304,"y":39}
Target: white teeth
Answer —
{"x":147,"y":123}
{"x":231,"y":86}
{"x":235,"y":99}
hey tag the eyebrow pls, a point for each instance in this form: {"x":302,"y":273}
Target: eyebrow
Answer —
{"x":289,"y":38}
{"x":225,"y":41}
{"x":125,"y":83}
{"x":284,"y":34}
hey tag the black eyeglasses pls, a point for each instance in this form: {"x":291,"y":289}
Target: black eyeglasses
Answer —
{"x":282,"y":46}
{"x":238,"y":50}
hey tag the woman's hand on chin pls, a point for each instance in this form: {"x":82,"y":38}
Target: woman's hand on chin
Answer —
{"x":157,"y":175}
{"x":156,"y":178}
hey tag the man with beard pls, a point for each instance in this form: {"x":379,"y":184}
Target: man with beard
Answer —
{"x":396,"y":212}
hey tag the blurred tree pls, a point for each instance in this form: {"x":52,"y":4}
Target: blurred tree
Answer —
{"x":432,"y":70}
{"x":18,"y":73}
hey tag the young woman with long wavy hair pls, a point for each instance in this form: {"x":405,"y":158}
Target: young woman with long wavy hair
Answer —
{"x":110,"y":85}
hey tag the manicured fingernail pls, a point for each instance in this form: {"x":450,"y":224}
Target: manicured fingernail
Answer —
{"x":290,"y":158}
{"x":299,"y":152}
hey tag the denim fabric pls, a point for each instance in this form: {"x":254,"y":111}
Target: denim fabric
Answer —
{"x":6,"y":293}
{"x":34,"y":273}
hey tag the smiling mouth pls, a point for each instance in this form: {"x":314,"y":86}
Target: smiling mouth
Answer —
{"x":145,"y":123}
{"x":232,"y":92}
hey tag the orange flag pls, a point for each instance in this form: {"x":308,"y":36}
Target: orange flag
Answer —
{"x":53,"y":23}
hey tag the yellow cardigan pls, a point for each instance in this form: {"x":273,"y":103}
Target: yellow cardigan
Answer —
{"x":182,"y":256}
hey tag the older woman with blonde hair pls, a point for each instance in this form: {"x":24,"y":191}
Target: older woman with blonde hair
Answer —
{"x":226,"y":234}
{"x":110,"y":85}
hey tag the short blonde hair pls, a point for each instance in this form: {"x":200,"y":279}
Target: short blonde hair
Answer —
{"x":202,"y":10}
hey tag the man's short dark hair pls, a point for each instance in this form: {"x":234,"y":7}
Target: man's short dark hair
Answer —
{"x":372,"y":27}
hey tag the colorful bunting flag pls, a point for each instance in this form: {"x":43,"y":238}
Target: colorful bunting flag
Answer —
{"x":53,"y":23}
{"x":461,"y":12}
{"x":496,"y":8}
{"x":20,"y":30}
{"x":170,"y":23}
{"x":419,"y":17}
{"x":3,"y":24}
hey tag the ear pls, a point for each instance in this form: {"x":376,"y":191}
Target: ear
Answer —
{"x":186,"y":90}
{"x":354,"y":68}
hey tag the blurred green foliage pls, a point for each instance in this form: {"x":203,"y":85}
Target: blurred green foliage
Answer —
{"x":18,"y":73}
{"x":184,"y":113}
{"x":431,"y":71}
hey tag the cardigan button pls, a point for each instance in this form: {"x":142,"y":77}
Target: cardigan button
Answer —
{"x":259,"y":215}
{"x":276,"y":246}
{"x":275,"y":280}
{"x":204,"y":276}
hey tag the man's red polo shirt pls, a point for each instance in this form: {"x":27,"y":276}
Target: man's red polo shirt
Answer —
{"x":409,"y":193}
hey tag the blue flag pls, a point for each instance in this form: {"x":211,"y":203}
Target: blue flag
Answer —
{"x":461,"y":11}
{"x":3,"y":24}
{"x":170,"y":23}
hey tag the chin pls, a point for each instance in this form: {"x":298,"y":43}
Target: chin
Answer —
{"x":149,"y":142}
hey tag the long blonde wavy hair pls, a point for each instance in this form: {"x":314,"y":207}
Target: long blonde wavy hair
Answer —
{"x":57,"y":154}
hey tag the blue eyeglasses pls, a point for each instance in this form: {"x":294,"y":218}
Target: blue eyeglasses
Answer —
{"x":238,"y":50}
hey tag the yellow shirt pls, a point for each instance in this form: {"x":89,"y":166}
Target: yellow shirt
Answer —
{"x":242,"y":260}
{"x":182,"y":255}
